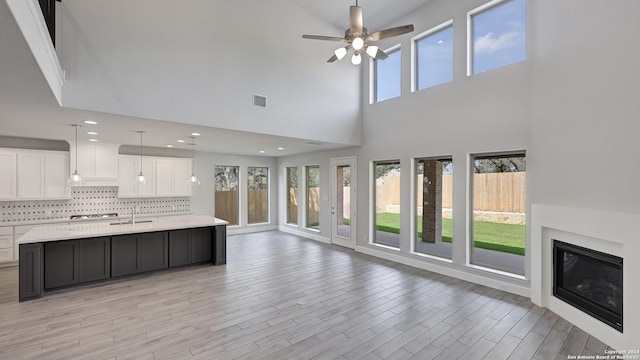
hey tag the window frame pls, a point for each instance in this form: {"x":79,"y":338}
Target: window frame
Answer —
{"x":414,"y":53}
{"x":268,"y":188}
{"x":238,"y":198}
{"x":287,"y":192}
{"x":373,"y":75}
{"x":414,"y":203}
{"x":373,"y":202}
{"x":470,"y":35}
{"x":470,"y":216}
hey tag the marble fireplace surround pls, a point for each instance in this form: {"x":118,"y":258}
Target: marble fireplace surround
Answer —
{"x":606,"y":231}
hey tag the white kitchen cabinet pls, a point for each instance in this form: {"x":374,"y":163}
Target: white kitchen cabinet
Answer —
{"x":181,"y":177}
{"x":97,"y":163}
{"x":166,"y":177}
{"x":6,"y":244}
{"x":8,"y":174}
{"x":129,"y":168}
{"x":31,"y":175}
{"x":56,"y":175}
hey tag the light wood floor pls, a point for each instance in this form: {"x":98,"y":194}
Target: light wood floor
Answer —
{"x":284,"y":297}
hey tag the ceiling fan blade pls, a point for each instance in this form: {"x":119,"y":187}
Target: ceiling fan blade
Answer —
{"x":355,"y":20}
{"x":387,"y":33}
{"x":320,"y":37}
{"x":332,"y":59}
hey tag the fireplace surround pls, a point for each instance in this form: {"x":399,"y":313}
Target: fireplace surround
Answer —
{"x":590,"y":281}
{"x":606,"y":231}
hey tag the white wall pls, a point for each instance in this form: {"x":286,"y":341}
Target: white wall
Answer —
{"x":202,"y":196}
{"x":572,"y":105}
{"x":585,"y":109}
{"x":200,"y":61}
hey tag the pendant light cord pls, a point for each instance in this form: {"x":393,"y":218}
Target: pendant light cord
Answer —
{"x":76,"y":126}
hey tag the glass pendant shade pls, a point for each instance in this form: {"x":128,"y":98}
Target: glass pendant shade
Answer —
{"x":193,"y":179}
{"x":75,"y":179}
{"x":141,"y":179}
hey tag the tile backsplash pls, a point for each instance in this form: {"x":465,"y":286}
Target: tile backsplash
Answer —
{"x":89,"y":200}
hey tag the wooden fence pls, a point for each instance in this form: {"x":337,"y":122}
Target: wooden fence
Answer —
{"x":226,"y":203}
{"x":499,"y":192}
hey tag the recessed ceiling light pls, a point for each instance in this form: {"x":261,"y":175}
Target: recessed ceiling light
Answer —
{"x":280,"y":148}
{"x":262,"y":151}
{"x":181,"y":141}
{"x":195,"y":134}
{"x":92,"y":133}
{"x":93,"y":140}
{"x":90,"y":122}
{"x":169,"y":146}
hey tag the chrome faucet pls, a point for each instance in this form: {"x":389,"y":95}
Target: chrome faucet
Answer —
{"x":133,"y":214}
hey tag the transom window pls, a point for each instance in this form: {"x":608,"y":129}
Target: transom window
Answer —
{"x":498,"y":35}
{"x":387,"y":76}
{"x":434,"y":57}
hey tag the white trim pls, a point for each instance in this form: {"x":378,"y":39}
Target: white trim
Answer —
{"x":31,"y":22}
{"x":414,"y":52}
{"x":235,"y":230}
{"x":304,"y":234}
{"x":519,"y":289}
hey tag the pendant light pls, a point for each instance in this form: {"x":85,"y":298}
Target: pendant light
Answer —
{"x":75,"y":178}
{"x":142,"y":180}
{"x":193,"y":179}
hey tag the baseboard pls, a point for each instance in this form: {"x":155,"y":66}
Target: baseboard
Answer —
{"x":309,"y":235}
{"x":449,"y":270}
{"x":250,"y":229}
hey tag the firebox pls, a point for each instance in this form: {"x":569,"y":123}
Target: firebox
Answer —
{"x":589,"y":280}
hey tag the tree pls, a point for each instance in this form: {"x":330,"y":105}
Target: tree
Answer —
{"x":500,"y":164}
{"x":226,"y":178}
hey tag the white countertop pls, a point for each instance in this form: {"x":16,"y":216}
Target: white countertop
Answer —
{"x":96,"y":229}
{"x":72,"y":221}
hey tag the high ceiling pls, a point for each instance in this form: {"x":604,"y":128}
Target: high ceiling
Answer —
{"x":28,"y":109}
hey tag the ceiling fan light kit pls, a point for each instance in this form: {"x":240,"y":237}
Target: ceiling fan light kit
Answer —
{"x":357,"y":37}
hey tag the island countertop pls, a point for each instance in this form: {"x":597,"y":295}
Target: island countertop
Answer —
{"x":85,"y":230}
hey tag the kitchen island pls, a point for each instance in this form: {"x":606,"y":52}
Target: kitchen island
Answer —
{"x":60,"y":256}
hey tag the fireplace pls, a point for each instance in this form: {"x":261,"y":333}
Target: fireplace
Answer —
{"x":590,"y":281}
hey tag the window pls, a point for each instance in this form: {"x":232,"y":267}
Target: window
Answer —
{"x":227,"y":195}
{"x":433,"y":207}
{"x":313,"y":197}
{"x":387,"y":203}
{"x":292,"y":195}
{"x":498,"y":228}
{"x":388,"y":76}
{"x":258,"y":195}
{"x":434,"y":57}
{"x":498,"y":35}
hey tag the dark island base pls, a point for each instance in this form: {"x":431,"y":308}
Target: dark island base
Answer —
{"x":66,"y":263}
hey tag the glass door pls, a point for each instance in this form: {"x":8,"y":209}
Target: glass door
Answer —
{"x":343,"y":201}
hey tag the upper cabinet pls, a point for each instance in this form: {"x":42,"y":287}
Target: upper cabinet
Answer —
{"x":33,"y":174}
{"x":97,"y":163}
{"x":8,"y":189}
{"x":166,"y":177}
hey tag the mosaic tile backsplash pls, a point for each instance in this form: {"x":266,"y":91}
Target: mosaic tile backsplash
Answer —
{"x":89,"y":200}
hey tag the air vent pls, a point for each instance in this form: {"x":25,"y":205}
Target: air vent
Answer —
{"x":314,"y":143}
{"x":259,"y":101}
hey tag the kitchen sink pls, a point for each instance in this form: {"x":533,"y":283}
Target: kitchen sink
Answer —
{"x":129,"y":222}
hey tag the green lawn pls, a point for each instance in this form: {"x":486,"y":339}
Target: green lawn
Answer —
{"x":492,"y":236}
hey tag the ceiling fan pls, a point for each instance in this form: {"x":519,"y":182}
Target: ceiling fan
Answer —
{"x":357,"y":38}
